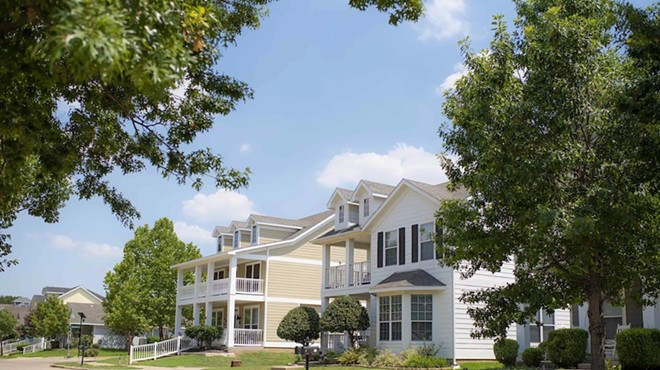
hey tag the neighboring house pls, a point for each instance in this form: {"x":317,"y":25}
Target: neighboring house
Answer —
{"x":90,"y":304}
{"x":21,"y":302}
{"x":385,"y":237}
{"x":264,"y":267}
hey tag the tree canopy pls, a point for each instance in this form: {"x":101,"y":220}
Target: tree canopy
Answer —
{"x":117,"y":65}
{"x":51,"y":318}
{"x":560,"y":161}
{"x":345,"y":314}
{"x":300,"y":325}
{"x":141,"y":289}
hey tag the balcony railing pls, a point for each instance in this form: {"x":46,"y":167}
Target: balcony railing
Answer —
{"x":248,"y":337}
{"x":220,"y":287}
{"x":359,"y":273}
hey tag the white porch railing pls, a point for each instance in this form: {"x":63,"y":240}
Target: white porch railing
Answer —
{"x":250,"y":286}
{"x":38,"y":346}
{"x":9,"y":346}
{"x":248,"y":337}
{"x":220,"y":287}
{"x":336,"y":342}
{"x":152,"y":351}
{"x":336,"y":276}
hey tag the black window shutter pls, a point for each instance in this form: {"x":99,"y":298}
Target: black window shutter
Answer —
{"x":402,"y":246}
{"x":380,"y":250}
{"x":413,"y":243}
{"x":438,"y":239}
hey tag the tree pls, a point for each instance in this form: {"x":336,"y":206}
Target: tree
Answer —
{"x":204,"y":334}
{"x":118,"y":64}
{"x":300,"y":325}
{"x":51,"y":318}
{"x":8,"y":324}
{"x":345,"y":314}
{"x":7,"y":299}
{"x":560,"y":177}
{"x":145,"y":280}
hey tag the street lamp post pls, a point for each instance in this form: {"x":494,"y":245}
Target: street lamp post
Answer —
{"x":82,"y":320}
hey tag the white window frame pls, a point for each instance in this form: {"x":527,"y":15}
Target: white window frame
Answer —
{"x":390,"y":244}
{"x":341,"y":214}
{"x":252,"y":324}
{"x":223,"y":318}
{"x":607,"y":316}
{"x":365,"y":207}
{"x":252,"y":270}
{"x":390,"y":317}
{"x":254,"y":235}
{"x":218,"y":272}
{"x":544,"y":327}
{"x":425,"y":238}
{"x":237,"y":239}
{"x":221,"y":243}
{"x":427,"y":318}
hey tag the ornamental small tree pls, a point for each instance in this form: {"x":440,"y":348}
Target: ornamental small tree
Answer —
{"x":204,"y":334}
{"x":300,"y":325}
{"x":51,"y":318}
{"x":8,"y":324}
{"x":345,"y":314}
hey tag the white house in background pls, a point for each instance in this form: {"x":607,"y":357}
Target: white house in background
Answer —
{"x":82,"y":300}
{"x":263,"y":267}
{"x":388,"y":261}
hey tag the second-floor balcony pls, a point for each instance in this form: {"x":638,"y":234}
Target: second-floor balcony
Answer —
{"x":221,"y":287}
{"x":338,"y":277}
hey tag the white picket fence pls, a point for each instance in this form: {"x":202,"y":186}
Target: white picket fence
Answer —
{"x":152,"y":351}
{"x":36,"y":347}
{"x":10,"y":347}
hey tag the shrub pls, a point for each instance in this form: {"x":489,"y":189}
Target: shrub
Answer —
{"x":506,"y":351}
{"x":204,"y":334}
{"x":387,"y":359}
{"x":532,"y":357}
{"x":638,"y":348}
{"x":428,"y":350}
{"x":420,"y":361}
{"x":350,"y":357}
{"x":92,"y":352}
{"x":95,"y":346}
{"x":299,"y":325}
{"x":368,"y":355}
{"x":567,"y":347}
{"x":21,"y":346}
{"x":329,"y":357}
{"x":152,"y":339}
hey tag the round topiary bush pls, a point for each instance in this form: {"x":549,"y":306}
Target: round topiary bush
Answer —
{"x":532,"y":357}
{"x":506,"y":351}
{"x":567,"y":347}
{"x":638,"y":348}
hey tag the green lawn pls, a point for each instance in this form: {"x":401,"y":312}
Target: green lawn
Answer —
{"x":61,"y":352}
{"x":251,"y":361}
{"x":481,"y":365}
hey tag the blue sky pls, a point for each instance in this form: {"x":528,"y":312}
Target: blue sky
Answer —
{"x":340,"y":95}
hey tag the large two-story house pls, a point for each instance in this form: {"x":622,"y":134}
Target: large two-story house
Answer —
{"x":385,"y":235}
{"x":263,"y":267}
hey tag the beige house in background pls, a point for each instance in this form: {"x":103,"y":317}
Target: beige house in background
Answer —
{"x":263,"y":267}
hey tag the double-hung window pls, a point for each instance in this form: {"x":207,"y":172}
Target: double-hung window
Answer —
{"x":426,"y":242}
{"x":253,"y":236}
{"x":220,"y":243}
{"x":389,"y":318}
{"x":237,"y":239}
{"x":218,"y":318}
{"x":391,"y":247}
{"x":544,"y":324}
{"x":219,"y":274}
{"x":421,"y":317}
{"x":365,"y":207}
{"x":341,"y":214}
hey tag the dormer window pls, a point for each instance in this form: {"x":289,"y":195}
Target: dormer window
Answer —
{"x":365,"y":207}
{"x":237,"y":239}
{"x":253,"y":236}
{"x":341,"y":214}
{"x":220,"y":243}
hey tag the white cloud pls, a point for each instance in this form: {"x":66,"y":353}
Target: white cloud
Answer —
{"x":450,"y":81}
{"x":442,"y":20}
{"x":245,"y":148}
{"x":219,"y":207}
{"x":402,"y":161}
{"x":90,"y":249}
{"x":192,"y":233}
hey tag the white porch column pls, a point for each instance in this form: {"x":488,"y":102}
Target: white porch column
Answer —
{"x":198,"y":282}
{"x":208,"y":311}
{"x":233,"y":264}
{"x":196,"y":310}
{"x":177,"y":319}
{"x":326,"y":265}
{"x":179,"y":280}
{"x":350,"y":252}
{"x":231,"y":303}
{"x":210,"y":269}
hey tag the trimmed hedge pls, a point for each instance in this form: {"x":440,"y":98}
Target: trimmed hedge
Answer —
{"x":567,"y":347}
{"x":506,"y":351}
{"x":532,"y":357}
{"x":638,"y":348}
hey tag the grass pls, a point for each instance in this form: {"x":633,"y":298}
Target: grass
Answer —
{"x":61,"y":352}
{"x":91,"y":366}
{"x":250,"y":360}
{"x":481,"y":365}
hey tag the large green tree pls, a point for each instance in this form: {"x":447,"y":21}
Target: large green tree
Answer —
{"x":145,"y":281}
{"x":345,"y":314}
{"x":559,"y":163}
{"x":300,"y":325}
{"x":51,"y":318}
{"x":8,"y":325}
{"x":117,"y":63}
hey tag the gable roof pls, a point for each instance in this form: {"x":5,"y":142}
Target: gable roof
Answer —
{"x":260,"y":219}
{"x":408,"y":280}
{"x":54,"y":289}
{"x":378,"y":188}
{"x":238,"y":225}
{"x":218,"y":230}
{"x":344,"y":194}
{"x":93,"y":313}
{"x":79,"y":287}
{"x":440,"y":191}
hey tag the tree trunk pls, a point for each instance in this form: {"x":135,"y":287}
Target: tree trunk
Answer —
{"x":596,"y":329}
{"x":160,"y":333}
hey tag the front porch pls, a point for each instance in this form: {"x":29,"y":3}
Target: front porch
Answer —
{"x":221,"y":287}
{"x":355,"y":271}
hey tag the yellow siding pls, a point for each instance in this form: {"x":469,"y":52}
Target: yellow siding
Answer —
{"x":276,"y":312}
{"x":80,"y":296}
{"x":271,"y":235}
{"x":307,"y":250}
{"x":294,"y":280}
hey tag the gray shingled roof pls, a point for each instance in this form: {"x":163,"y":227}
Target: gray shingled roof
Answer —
{"x":93,"y":312}
{"x":54,"y":289}
{"x":378,"y":188}
{"x":240,"y":224}
{"x":276,"y":220}
{"x":18,"y":312}
{"x":440,"y":191}
{"x":409,"y":279}
{"x":220,"y":230}
{"x":345,"y":193}
{"x":310,"y":221}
